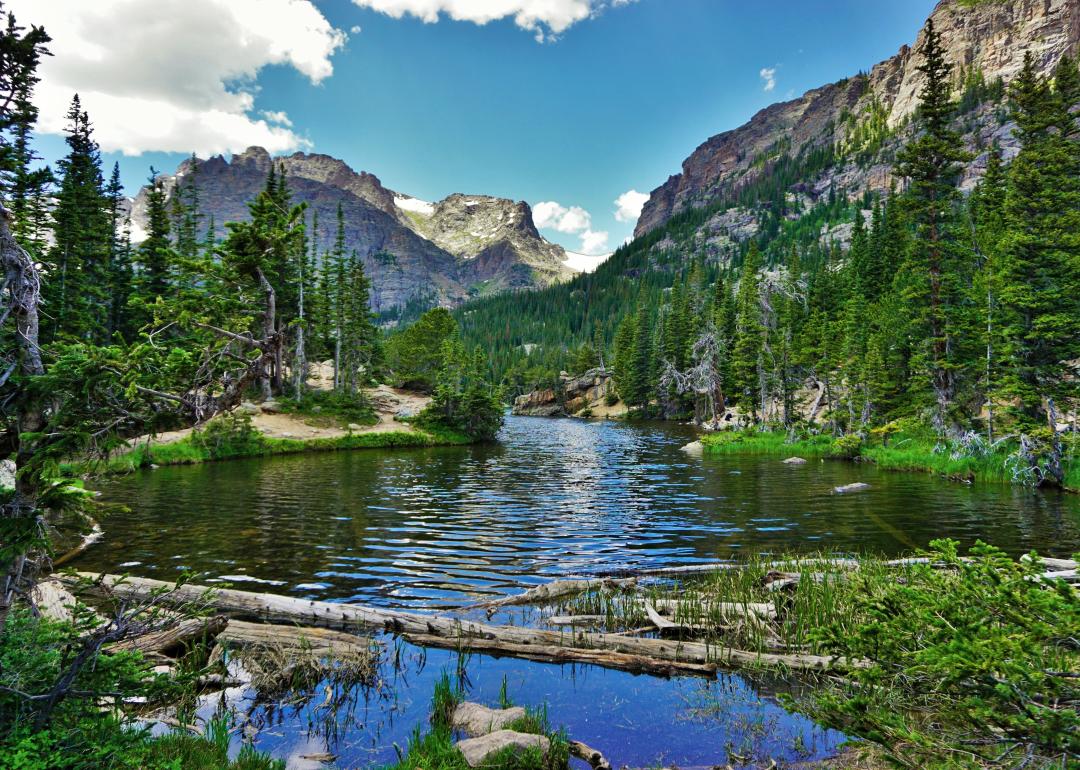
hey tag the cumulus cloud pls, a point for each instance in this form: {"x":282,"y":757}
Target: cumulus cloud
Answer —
{"x":628,"y":206}
{"x":768,"y":77}
{"x":571,"y":220}
{"x":177,"y":75}
{"x":546,"y":19}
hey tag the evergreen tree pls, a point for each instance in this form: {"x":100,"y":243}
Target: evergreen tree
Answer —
{"x":747,"y":365}
{"x":76,"y":294}
{"x":119,"y":260}
{"x":1038,"y":273}
{"x":934,"y":273}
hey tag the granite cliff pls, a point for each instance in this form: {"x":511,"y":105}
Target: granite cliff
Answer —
{"x":427,"y":253}
{"x":868,"y":115}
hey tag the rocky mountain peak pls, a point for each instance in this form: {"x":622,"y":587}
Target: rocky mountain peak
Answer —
{"x":988,"y":39}
{"x":413,"y":251}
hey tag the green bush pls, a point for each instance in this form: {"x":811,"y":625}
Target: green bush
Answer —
{"x":971,"y":663}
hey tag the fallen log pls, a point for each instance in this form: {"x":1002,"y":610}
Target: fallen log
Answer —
{"x":321,"y":642}
{"x":662,"y":624}
{"x":53,"y":601}
{"x":576,"y":620}
{"x":91,"y":537}
{"x":351,"y":617}
{"x":177,"y":637}
{"x":548,"y":592}
{"x":636,"y":664}
{"x":595,"y":759}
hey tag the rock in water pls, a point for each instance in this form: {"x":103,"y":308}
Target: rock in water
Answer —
{"x":476,"y":720}
{"x":795,"y":461}
{"x":857,"y":487}
{"x":694,"y":449}
{"x":477,"y":750}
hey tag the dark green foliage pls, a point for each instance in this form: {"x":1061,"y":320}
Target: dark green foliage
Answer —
{"x":415,"y":355}
{"x":971,"y":661}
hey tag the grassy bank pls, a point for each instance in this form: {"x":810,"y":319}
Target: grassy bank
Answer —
{"x":230,"y":440}
{"x":912,"y":450}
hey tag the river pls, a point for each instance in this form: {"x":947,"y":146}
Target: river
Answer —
{"x":436,"y":529}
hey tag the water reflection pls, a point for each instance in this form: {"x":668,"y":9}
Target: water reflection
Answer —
{"x":442,"y":527}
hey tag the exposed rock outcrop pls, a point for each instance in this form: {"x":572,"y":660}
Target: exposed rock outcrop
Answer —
{"x":475,"y":720}
{"x":990,"y":38}
{"x":584,"y":395}
{"x":442,"y":253}
{"x":477,"y":750}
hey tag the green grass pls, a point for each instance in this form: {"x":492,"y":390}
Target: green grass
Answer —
{"x":912,"y":451}
{"x":191,"y":450}
{"x":436,"y":749}
{"x":767,"y":443}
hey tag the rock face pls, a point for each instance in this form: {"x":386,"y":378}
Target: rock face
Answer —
{"x":497,"y":237}
{"x":990,"y":38}
{"x":477,"y":750}
{"x":574,"y":396}
{"x":475,"y":720}
{"x":432,"y":253}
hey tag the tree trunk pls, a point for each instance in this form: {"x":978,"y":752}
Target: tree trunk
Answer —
{"x":269,"y":331}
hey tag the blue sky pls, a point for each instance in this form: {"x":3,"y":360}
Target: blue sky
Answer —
{"x":606,"y":104}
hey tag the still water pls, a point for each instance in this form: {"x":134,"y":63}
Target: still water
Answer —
{"x":436,"y":529}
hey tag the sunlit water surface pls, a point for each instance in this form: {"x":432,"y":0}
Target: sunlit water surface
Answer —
{"x":437,"y":529}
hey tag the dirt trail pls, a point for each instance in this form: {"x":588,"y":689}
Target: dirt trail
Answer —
{"x":387,"y":402}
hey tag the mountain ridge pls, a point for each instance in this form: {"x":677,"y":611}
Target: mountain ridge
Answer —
{"x":472,"y":245}
{"x":989,"y":39}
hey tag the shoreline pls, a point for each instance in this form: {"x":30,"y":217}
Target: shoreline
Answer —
{"x":902,"y":454}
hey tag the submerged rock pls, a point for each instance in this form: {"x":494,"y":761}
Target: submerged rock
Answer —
{"x":477,"y":750}
{"x":795,"y":461}
{"x":857,"y":487}
{"x":476,"y":720}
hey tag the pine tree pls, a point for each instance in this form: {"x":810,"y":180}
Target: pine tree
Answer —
{"x":747,"y":365}
{"x":933,"y":272}
{"x":78,"y":261}
{"x":156,"y":258}
{"x":1038,"y":275}
{"x":119,"y":260}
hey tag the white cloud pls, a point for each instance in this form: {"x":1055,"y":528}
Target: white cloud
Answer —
{"x":768,"y":76}
{"x":546,"y":19}
{"x":176,"y":75}
{"x":584,"y":263}
{"x":628,"y":206}
{"x":571,"y":220}
{"x":594,"y":243}
{"x":554,"y":216}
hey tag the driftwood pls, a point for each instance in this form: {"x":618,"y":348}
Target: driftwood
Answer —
{"x":576,"y":620}
{"x":548,"y":592}
{"x":321,"y":642}
{"x":53,"y":601}
{"x":515,"y":639}
{"x":595,"y":759}
{"x":637,"y":664}
{"x":169,"y":639}
{"x":91,"y":537}
{"x":662,"y":624}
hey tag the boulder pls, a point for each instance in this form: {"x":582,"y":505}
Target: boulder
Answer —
{"x":352,"y":427}
{"x":270,"y":407}
{"x":7,"y":474}
{"x":795,"y":461}
{"x":476,"y":720}
{"x":477,"y":750}
{"x":857,"y":487}
{"x":406,"y":413}
{"x":694,"y":449}
{"x":248,"y":408}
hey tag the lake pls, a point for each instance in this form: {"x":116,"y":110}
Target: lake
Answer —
{"x":438,"y":529}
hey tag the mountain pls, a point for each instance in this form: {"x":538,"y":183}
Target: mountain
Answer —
{"x":416,"y":253}
{"x":985,"y":41}
{"x":793,"y":177}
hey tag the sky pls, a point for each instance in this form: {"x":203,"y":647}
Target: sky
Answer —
{"x":579,"y":107}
